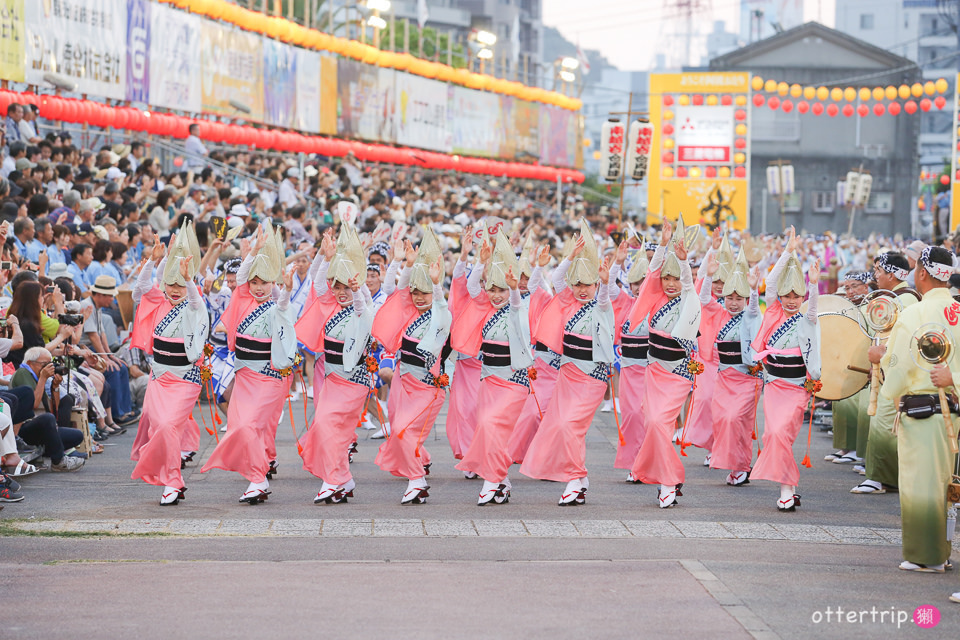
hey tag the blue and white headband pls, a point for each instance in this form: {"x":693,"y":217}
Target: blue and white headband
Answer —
{"x":941,"y":272}
{"x":859,"y":276}
{"x":883,"y":263}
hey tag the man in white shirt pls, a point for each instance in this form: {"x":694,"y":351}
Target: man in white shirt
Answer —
{"x":196,"y":152}
{"x":289,"y":194}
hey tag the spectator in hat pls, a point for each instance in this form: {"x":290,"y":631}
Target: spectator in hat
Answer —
{"x":88,"y":209}
{"x":196,"y":195}
{"x":102,"y":295}
{"x":912,"y":252}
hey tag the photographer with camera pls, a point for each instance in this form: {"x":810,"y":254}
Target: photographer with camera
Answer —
{"x":117,"y":374}
{"x":39,"y":372}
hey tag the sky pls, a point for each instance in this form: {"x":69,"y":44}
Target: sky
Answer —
{"x":627,"y":33}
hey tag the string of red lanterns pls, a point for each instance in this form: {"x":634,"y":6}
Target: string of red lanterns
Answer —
{"x":909,"y":107}
{"x":97,"y":114}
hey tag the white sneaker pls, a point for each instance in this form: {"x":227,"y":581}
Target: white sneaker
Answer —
{"x":382,"y":432}
{"x":68,"y":463}
{"x":607,"y":406}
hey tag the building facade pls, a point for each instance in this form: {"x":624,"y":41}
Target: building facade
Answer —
{"x":914,"y":30}
{"x":823,"y":149}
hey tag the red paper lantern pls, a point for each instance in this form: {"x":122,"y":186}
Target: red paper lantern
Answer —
{"x":758,"y":100}
{"x":697,"y":100}
{"x":803,"y":106}
{"x":817,"y":108}
{"x":787,"y":106}
{"x":710,"y":172}
{"x":50,"y":107}
{"x":6,"y":97}
{"x":910,"y":107}
{"x":740,"y":172}
{"x":944,"y":180}
{"x":681,"y":172}
{"x":832,"y":110}
{"x":726,"y":101}
{"x":940,"y":101}
{"x":894,"y":108}
{"x":848,"y":110}
{"x":740,"y":115}
{"x":863,"y":110}
{"x":879,"y":109}
{"x":957,"y":175}
{"x":668,"y":157}
{"x":774,"y":103}
{"x":667,"y":101}
{"x":925,"y":104}
{"x":740,"y":143}
{"x":668,"y":129}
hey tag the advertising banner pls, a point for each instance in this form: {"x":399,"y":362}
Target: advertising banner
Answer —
{"x":308,"y":91}
{"x":232,"y":62}
{"x":174,"y":65}
{"x":83,"y":41}
{"x":699,"y":158}
{"x":423,"y":118}
{"x":366,"y":101}
{"x":558,"y":136}
{"x":279,"y":83}
{"x":138,"y":50}
{"x":526,"y":127}
{"x":13,"y":38}
{"x":478,"y":128}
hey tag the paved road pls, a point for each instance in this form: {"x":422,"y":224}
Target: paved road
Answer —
{"x":724,"y":564}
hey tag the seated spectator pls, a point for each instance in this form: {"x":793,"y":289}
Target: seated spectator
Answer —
{"x":39,"y":374}
{"x":117,"y":375}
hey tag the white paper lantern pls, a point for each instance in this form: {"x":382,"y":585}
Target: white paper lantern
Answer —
{"x":773,"y":180}
{"x":786,"y":179}
{"x":864,"y":184}
{"x":850,"y":192}
{"x":638,"y":150}
{"x":613,"y":145}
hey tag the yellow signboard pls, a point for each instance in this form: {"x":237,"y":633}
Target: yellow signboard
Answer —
{"x":232,"y":70}
{"x":12,"y":40}
{"x":955,"y":166}
{"x":700,"y":159}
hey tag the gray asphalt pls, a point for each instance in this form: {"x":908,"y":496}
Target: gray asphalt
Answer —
{"x":528,"y":584}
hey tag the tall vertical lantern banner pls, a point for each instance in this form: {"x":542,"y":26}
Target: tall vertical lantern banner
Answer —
{"x":612,"y":147}
{"x":700,"y":158}
{"x":955,"y":164}
{"x":12,"y":38}
{"x":640,"y":140}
